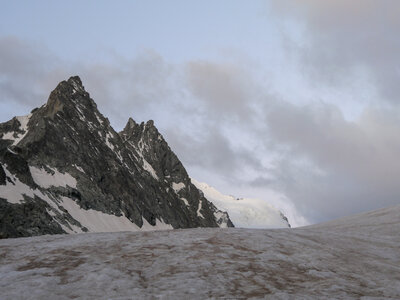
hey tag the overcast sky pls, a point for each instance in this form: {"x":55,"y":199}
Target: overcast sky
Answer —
{"x":294,"y":102}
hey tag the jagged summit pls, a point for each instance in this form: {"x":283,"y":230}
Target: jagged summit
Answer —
{"x":131,"y":127}
{"x":70,"y":87}
{"x":75,"y":80}
{"x":69,"y":95}
{"x":67,"y":170}
{"x":131,"y":123}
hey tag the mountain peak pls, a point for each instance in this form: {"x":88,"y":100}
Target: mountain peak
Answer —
{"x":130,"y":129}
{"x":68,"y":93}
{"x":150,"y":123}
{"x":76,"y":84}
{"x":75,"y":80}
{"x":71,"y":86}
{"x":131,"y":123}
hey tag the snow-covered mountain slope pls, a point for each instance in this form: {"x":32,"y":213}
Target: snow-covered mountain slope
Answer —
{"x":64,"y":169}
{"x":350,"y":258}
{"x":381,"y":222}
{"x":244,"y":212}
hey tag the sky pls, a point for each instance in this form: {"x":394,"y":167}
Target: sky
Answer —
{"x":293,"y":102}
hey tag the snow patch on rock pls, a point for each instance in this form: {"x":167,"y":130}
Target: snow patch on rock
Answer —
{"x":145,"y":163}
{"x":160,"y":225}
{"x":108,"y":143}
{"x":178,"y":186}
{"x":98,"y":119}
{"x":46,"y":180}
{"x":149,"y":169}
{"x":81,"y":115}
{"x":199,"y":214}
{"x":78,"y":168}
{"x":23,"y":120}
{"x":13,"y":191}
{"x":97,"y":221}
{"x":185,"y":201}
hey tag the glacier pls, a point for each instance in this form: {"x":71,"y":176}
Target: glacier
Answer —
{"x":356,"y":257}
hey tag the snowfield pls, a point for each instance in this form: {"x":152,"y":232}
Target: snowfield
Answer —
{"x":244,"y":212}
{"x":353,"y":257}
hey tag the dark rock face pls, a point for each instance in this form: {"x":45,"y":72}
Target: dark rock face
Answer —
{"x":67,"y":151}
{"x":2,"y":176}
{"x":26,"y":219}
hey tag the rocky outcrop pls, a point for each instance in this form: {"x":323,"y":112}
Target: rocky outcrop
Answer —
{"x":63,"y":168}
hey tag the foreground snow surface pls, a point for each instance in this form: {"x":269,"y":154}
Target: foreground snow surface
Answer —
{"x":349,"y":258}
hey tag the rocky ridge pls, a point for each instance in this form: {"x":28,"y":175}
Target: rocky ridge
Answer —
{"x":64,"y":169}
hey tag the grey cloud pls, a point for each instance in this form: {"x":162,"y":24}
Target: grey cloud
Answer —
{"x":334,"y":166}
{"x":224,"y":88}
{"x":24,"y":71}
{"x":127,"y":88}
{"x":349,"y":39}
{"x":367,"y":146}
{"x":212,"y":151}
{"x":261,"y":181}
